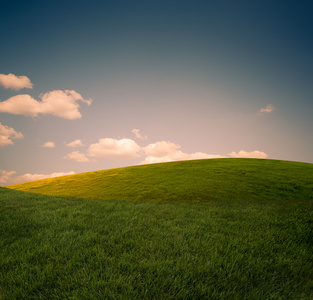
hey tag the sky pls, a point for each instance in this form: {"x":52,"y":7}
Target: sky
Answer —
{"x":92,"y":85}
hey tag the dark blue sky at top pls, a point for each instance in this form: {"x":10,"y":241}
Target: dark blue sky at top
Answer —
{"x":268,"y":34}
{"x":259,"y":45}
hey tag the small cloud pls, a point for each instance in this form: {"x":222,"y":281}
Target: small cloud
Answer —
{"x":8,"y":178}
{"x":108,"y":147}
{"x":179,"y":156}
{"x":7,"y":135}
{"x":48,"y":145}
{"x":77,"y":156}
{"x":74,"y":144}
{"x":14,"y":82}
{"x":59,"y":103}
{"x":138,"y":134}
{"x":245,"y":154}
{"x":268,"y":109}
{"x":165,"y":151}
{"x":161,"y":149}
{"x":31,"y":177}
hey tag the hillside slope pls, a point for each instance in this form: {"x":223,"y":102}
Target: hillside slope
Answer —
{"x":74,"y":248}
{"x":186,"y":181}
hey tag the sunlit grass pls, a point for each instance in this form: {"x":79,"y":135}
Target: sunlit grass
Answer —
{"x":240,"y":245}
{"x":187,"y":181}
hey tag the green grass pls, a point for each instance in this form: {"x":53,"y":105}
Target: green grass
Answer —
{"x":186,"y":181}
{"x":202,"y":236}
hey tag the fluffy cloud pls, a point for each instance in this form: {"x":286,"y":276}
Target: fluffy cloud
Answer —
{"x":31,"y":177}
{"x":7,"y":177}
{"x":14,"y":82}
{"x":108,"y":147}
{"x":164,"y":151}
{"x":74,"y":144}
{"x":268,"y":109}
{"x":138,"y":135}
{"x":161,"y":149}
{"x":63,"y":103}
{"x":7,"y":134}
{"x":21,"y":105}
{"x":76,"y":155}
{"x":48,"y":145}
{"x":245,"y":154}
{"x":59,"y":103}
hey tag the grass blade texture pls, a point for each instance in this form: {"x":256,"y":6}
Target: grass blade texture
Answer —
{"x":209,"y":229}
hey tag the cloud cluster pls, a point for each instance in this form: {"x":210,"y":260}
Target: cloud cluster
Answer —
{"x":268,"y":109}
{"x":48,"y":145}
{"x":59,"y":103}
{"x":108,"y":147}
{"x":165,"y":151}
{"x":77,"y":156}
{"x":162,"y":151}
{"x":7,"y":134}
{"x":76,"y":143}
{"x":8,"y":178}
{"x":14,"y":82}
{"x":138,"y":135}
{"x":245,"y":154}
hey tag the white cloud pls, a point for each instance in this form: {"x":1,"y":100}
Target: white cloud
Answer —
{"x":7,"y":134}
{"x":76,"y":143}
{"x":165,"y":151}
{"x":63,"y":103}
{"x":268,"y":109}
{"x":76,"y":155}
{"x":21,"y":105}
{"x":245,"y":154}
{"x":8,"y":178}
{"x":14,"y":82}
{"x":160,"y":149}
{"x":108,"y":147}
{"x":58,"y":103}
{"x":138,"y":134}
{"x":31,"y":177}
{"x":48,"y":145}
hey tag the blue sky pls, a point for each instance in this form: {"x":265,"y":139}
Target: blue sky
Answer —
{"x":119,"y":83}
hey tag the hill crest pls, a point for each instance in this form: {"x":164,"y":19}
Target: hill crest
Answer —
{"x":188,"y":181}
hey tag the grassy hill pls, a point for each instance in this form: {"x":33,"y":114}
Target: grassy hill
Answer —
{"x":186,"y":181}
{"x":207,"y":229}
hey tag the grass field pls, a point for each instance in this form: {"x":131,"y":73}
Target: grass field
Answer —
{"x":209,"y":229}
{"x":187,"y":181}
